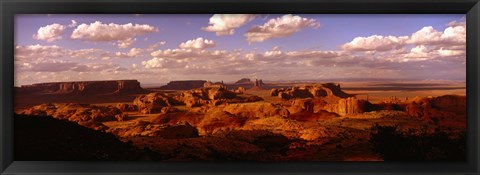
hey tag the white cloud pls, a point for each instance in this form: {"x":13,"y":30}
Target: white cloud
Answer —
{"x":50,"y":33}
{"x":90,"y":54}
{"x":198,"y":43}
{"x":426,"y":35}
{"x":73,"y":23}
{"x":420,"y":52}
{"x":453,"y":35}
{"x":156,"y":45}
{"x":225,"y":24}
{"x":126,"y":43}
{"x":35,"y":53}
{"x":163,"y":63}
{"x":280,"y":27}
{"x":55,"y":65}
{"x":191,"y":54}
{"x":132,"y":53}
{"x":98,"y":31}
{"x":449,"y":52}
{"x":375,"y":43}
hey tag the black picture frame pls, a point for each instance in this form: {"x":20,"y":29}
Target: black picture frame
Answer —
{"x":8,"y":8}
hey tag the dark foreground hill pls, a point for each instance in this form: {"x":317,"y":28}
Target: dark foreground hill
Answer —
{"x":49,"y":139}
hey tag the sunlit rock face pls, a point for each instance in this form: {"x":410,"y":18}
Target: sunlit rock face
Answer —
{"x":86,"y":115}
{"x":153,"y":103}
{"x":317,"y":97}
{"x":205,"y":96}
{"x":330,"y":90}
{"x":436,"y":107}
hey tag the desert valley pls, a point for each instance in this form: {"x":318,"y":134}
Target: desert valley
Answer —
{"x":240,"y":87}
{"x":193,"y":120}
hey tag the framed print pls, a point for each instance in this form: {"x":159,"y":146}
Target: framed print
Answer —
{"x":261,"y":87}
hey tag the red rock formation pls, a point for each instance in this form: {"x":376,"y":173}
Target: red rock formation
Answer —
{"x":258,"y":85}
{"x":327,"y":90}
{"x":350,"y":105}
{"x":216,"y":84}
{"x":165,"y":131}
{"x":284,"y":96}
{"x":244,"y":81}
{"x":86,"y":115}
{"x":204,"y":96}
{"x":85,"y":87}
{"x":121,"y":117}
{"x":184,"y":85}
{"x":240,"y":90}
{"x":126,"y":107}
{"x":437,"y":107}
{"x":301,"y":105}
{"x":153,"y":103}
{"x":256,"y":110}
{"x":216,"y":120}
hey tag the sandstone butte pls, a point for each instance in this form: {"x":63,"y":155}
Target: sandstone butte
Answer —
{"x":184,"y":85}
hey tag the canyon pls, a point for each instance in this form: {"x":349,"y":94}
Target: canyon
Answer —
{"x":245,"y":120}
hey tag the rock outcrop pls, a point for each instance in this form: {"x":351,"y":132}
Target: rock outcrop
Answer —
{"x":437,"y":107}
{"x":258,"y":85}
{"x":330,"y":90}
{"x":350,"y":105}
{"x":256,"y":110}
{"x":216,"y":84}
{"x":244,"y":81}
{"x":184,"y":85}
{"x":154,"y":103}
{"x":86,"y":115}
{"x":165,"y":131}
{"x":204,"y":96}
{"x":84,"y":88}
{"x":240,"y":90}
{"x":124,"y":107}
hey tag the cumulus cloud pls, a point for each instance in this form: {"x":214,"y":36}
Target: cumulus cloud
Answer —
{"x":452,"y":36}
{"x":280,"y":27}
{"x":375,"y":42}
{"x":37,"y":52}
{"x":414,"y":55}
{"x":122,"y":33}
{"x":225,"y":24}
{"x":198,"y":43}
{"x":50,"y":33}
{"x":164,"y":63}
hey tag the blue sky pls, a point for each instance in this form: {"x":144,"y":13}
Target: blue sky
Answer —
{"x":271,"y":47}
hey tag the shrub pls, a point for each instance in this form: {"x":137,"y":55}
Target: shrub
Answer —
{"x":417,"y":145}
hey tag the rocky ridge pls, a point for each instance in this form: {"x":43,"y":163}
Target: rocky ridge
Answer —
{"x":84,"y":88}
